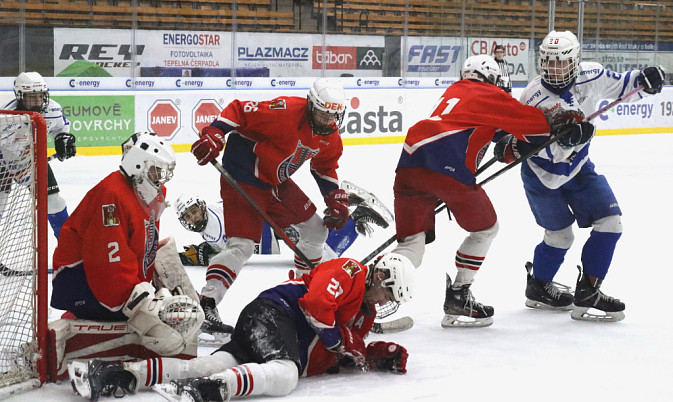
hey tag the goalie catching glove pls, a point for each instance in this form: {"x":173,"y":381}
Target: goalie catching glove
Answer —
{"x":387,"y":356}
{"x":164,"y":322}
{"x":197,"y":255}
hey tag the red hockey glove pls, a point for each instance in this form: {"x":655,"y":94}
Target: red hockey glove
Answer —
{"x":387,"y":356}
{"x":337,"y":209}
{"x":352,"y":346}
{"x":208,"y":147}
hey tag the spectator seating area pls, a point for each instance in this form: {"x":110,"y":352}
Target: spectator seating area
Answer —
{"x":606,"y":19}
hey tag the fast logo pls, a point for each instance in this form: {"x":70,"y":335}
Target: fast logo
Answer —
{"x":432,"y":58}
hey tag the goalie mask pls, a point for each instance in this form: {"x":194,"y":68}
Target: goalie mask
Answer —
{"x":559,"y":59}
{"x":326,"y":106}
{"x":148,"y":163}
{"x":31,"y":91}
{"x":481,"y":68}
{"x":192,"y":213}
{"x":398,"y":276}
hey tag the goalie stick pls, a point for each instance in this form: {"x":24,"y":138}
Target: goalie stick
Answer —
{"x":393,"y":325}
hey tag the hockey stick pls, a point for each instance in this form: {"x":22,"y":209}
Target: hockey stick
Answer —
{"x":277,"y":229}
{"x":52,"y":157}
{"x":8,"y":272}
{"x":516,"y":162}
{"x":558,"y":136}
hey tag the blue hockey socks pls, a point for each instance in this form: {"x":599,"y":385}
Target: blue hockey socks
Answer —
{"x":547,"y":261}
{"x":597,"y":253}
{"x":57,"y":220}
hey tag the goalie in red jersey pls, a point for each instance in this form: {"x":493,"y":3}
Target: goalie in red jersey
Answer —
{"x":302,"y":327}
{"x":438,"y":163}
{"x":267,"y":142}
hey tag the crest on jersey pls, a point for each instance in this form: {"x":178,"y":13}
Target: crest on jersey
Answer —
{"x":351,"y":267}
{"x":277,"y":104}
{"x":110,"y":215}
{"x":290,"y":165}
{"x":151,"y":243}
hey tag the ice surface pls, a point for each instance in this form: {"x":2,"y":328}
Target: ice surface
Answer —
{"x":527,"y":355}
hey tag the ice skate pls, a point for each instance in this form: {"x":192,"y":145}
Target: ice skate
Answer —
{"x":101,"y":378}
{"x":194,"y":390}
{"x":546,"y":295}
{"x":462,"y":310}
{"x":593,"y":305}
{"x":212,"y":324}
{"x":368,"y":208}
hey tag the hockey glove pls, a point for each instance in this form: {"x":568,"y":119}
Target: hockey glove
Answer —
{"x":652,"y":78}
{"x":337,"y":209}
{"x":208,"y":147}
{"x":197,"y":255}
{"x":65,"y":146}
{"x":387,"y":356}
{"x":506,"y":149}
{"x":352,"y":346}
{"x":579,"y":134}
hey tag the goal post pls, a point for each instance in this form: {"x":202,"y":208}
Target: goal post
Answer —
{"x":24,"y":277}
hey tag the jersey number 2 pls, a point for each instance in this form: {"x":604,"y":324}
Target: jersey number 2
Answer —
{"x":113,"y":247}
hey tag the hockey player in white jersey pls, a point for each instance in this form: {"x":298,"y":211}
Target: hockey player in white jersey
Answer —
{"x":207,"y":220}
{"x":32,"y":95}
{"x":561,"y":184}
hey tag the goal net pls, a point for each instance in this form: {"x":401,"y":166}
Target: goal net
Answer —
{"x":23,"y":251}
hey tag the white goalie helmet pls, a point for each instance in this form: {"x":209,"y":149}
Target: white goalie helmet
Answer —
{"x":326,"y":106}
{"x":399,"y":275}
{"x":148,"y":163}
{"x":482,"y":68}
{"x":192,"y":212}
{"x":559,"y":58}
{"x":31,"y":91}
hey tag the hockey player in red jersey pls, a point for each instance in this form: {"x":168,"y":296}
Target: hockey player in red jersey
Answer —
{"x":104,"y":260}
{"x":267,"y":142}
{"x":302,"y":327}
{"x":438,"y":163}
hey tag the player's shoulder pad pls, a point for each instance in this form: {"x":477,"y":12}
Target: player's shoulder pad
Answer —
{"x":533,"y":92}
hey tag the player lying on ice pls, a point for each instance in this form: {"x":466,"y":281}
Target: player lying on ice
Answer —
{"x":207,"y":220}
{"x":302,"y":327}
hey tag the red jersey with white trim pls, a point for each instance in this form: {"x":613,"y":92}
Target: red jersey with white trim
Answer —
{"x":272,"y":139}
{"x":453,"y":140}
{"x":113,"y":237}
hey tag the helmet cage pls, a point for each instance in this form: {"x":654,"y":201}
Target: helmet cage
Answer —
{"x":31,"y":83}
{"x":559,"y":59}
{"x":147,"y":163}
{"x":184,"y":206}
{"x":325,"y":97}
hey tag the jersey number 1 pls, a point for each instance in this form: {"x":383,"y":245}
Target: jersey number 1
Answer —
{"x":450,"y":104}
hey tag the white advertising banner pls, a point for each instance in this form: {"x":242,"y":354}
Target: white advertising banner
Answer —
{"x":516,"y":54}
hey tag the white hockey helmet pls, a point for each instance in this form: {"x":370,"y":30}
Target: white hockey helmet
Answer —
{"x":559,"y":58}
{"x":192,"y":212}
{"x":399,"y":275}
{"x":326,"y":106}
{"x":27,"y":84}
{"x":482,"y":68}
{"x":148,"y":163}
